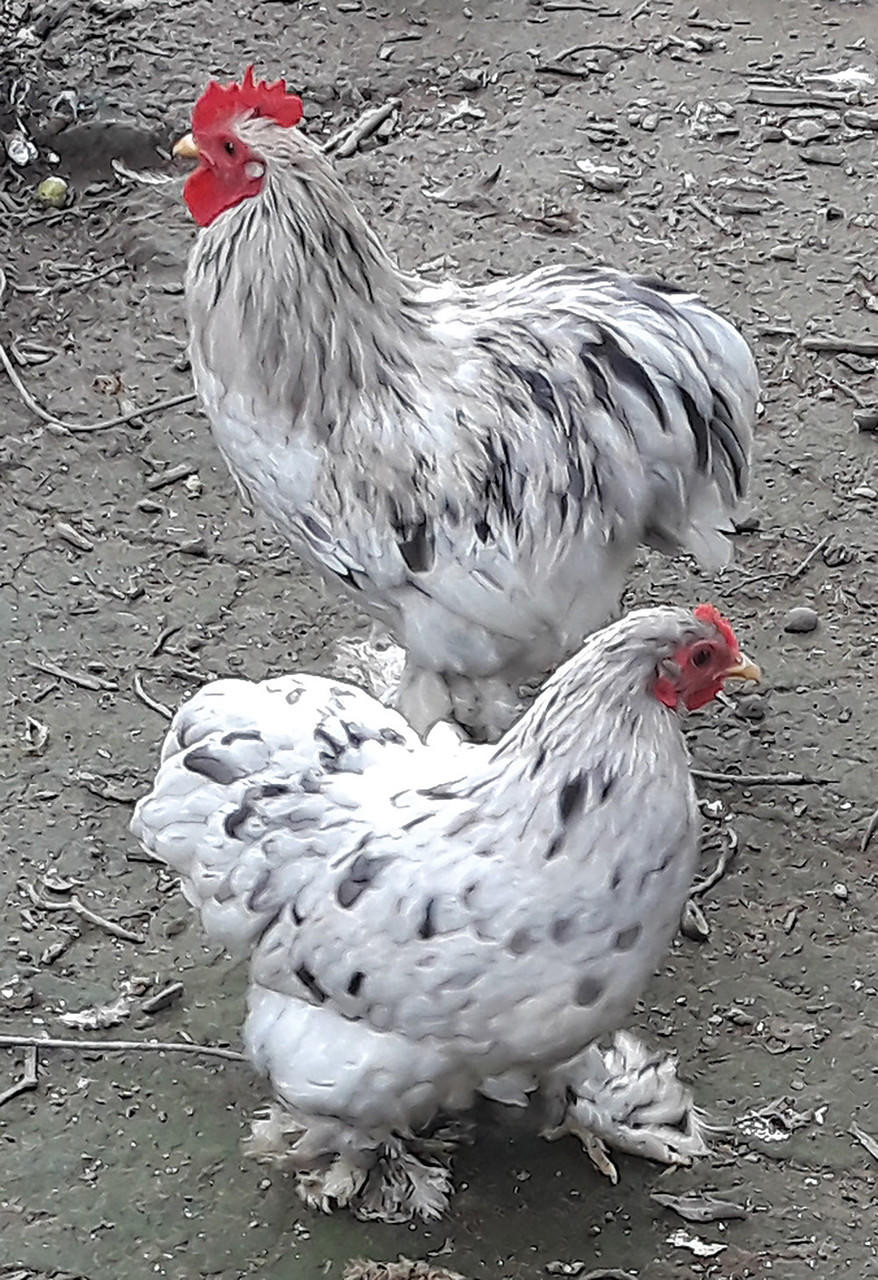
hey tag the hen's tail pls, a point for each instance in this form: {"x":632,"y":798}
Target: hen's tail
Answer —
{"x":710,"y":398}
{"x":239,"y":799}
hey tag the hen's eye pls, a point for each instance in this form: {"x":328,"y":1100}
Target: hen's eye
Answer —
{"x":230,"y":148}
{"x":701,"y":657}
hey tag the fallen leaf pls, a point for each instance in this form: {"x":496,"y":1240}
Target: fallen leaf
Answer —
{"x":698,"y":1208}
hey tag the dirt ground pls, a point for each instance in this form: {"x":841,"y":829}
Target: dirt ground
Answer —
{"x":125,"y":553}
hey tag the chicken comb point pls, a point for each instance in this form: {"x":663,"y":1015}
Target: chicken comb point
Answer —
{"x":710,"y":614}
{"x":220,"y":103}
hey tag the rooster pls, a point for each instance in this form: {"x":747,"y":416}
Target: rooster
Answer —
{"x":476,"y":465}
{"x":427,"y":920}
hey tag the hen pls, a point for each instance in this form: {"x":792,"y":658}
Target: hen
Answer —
{"x":427,"y":920}
{"x":476,"y":465}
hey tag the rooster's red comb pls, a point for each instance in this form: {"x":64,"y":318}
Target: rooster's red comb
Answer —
{"x":710,"y":614}
{"x":220,"y":103}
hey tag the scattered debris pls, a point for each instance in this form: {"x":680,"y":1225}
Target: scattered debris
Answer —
{"x":348,"y":140}
{"x":775,"y":1122}
{"x":36,"y":736}
{"x":28,"y":1080}
{"x":700,"y":1248}
{"x":701,"y":1208}
{"x":98,"y":1017}
{"x":86,"y":913}
{"x":404,"y":1269}
{"x":579,"y":1269}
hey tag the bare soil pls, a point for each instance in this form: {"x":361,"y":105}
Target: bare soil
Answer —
{"x":127,"y":1164}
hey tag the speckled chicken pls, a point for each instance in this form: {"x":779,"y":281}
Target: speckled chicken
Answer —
{"x":476,"y":465}
{"x":428,"y":920}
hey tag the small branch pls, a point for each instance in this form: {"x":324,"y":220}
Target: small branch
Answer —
{"x":842,"y":346}
{"x":781,"y":96}
{"x":28,"y":1081}
{"x":171,"y":475}
{"x":27,"y":399}
{"x":82,"y":681}
{"x":787,"y":575}
{"x":85,"y":913}
{"x":761,"y":779}
{"x":121,"y":1046}
{"x":811,"y":556}
{"x":726,"y":857}
{"x":152,"y":703}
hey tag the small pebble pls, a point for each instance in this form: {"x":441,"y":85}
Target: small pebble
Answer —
{"x":801,"y":620}
{"x":822,"y":155}
{"x":841,"y":891}
{"x":783,"y":252}
{"x":53,"y":192}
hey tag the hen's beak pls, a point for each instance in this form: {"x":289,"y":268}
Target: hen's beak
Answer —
{"x":744,"y":669}
{"x":186,"y":148}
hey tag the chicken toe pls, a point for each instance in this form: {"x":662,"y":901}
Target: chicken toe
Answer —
{"x":632,"y":1100}
{"x":402,"y":1186}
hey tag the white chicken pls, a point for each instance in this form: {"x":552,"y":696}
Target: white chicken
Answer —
{"x":476,"y":465}
{"x":428,"y":920}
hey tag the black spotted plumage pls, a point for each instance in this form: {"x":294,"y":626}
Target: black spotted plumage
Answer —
{"x":478,"y":465}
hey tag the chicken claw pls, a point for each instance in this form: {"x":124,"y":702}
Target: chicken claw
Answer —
{"x":631,"y":1099}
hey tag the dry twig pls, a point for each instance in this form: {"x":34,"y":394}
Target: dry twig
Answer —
{"x":152,"y":703}
{"x":79,"y":908}
{"x":28,"y":1080}
{"x":836,"y":345}
{"x":83,"y":681}
{"x":761,"y":779}
{"x":122,"y":1046}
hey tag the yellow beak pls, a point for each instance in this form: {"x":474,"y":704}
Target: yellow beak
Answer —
{"x":744,"y":669}
{"x":186,"y":148}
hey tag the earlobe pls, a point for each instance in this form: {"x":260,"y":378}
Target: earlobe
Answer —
{"x":666,"y":683}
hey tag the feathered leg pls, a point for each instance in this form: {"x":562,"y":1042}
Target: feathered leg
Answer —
{"x":374,"y":664}
{"x":628,"y":1098}
{"x":282,"y":1137}
{"x":400,"y":1179}
{"x":483,"y":708}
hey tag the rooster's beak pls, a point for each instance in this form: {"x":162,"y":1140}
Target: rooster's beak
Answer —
{"x":744,"y":669}
{"x":187,"y":148}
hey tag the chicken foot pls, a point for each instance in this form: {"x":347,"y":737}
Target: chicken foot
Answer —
{"x":401,"y":1179}
{"x":628,"y":1098}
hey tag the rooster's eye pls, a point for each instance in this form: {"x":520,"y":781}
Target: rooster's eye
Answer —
{"x":701,"y":657}
{"x":230,"y":147}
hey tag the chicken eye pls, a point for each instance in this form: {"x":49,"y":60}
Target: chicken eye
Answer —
{"x":230,"y":147}
{"x":701,"y":656}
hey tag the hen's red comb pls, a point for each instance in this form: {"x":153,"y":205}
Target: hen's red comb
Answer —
{"x":220,"y":103}
{"x":710,"y":614}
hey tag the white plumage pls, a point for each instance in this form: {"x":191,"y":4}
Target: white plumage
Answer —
{"x":478,"y":465}
{"x":426,"y":920}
